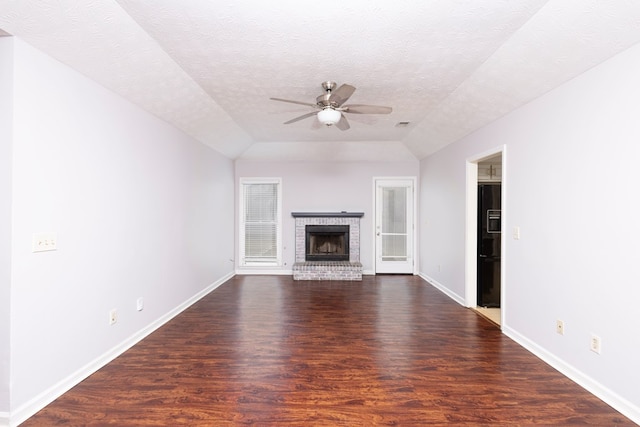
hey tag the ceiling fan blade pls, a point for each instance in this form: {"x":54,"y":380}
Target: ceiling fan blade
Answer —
{"x":367,"y":109}
{"x":340,"y":95}
{"x":316,"y":124}
{"x":302,"y":117}
{"x":343,"y":124}
{"x":294,"y":102}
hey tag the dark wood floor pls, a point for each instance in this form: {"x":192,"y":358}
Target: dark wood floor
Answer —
{"x":267,"y":351}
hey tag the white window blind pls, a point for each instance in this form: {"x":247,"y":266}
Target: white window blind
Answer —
{"x":260,"y":230}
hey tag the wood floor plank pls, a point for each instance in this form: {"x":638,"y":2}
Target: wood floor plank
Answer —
{"x":268,"y":351}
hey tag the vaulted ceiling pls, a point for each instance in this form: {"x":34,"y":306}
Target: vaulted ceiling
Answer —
{"x":210,"y":67}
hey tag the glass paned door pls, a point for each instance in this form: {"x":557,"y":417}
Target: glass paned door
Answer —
{"x":394,"y":226}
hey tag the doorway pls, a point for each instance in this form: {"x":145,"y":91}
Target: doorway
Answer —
{"x":485,"y":241}
{"x":394,"y":227}
{"x":489,"y":230}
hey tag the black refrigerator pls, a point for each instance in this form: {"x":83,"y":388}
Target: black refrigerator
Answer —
{"x":489,"y":230}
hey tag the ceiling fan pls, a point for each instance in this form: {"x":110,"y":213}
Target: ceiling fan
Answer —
{"x":331,"y":108}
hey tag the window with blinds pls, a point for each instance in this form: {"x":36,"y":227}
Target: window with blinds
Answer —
{"x":260,"y":222}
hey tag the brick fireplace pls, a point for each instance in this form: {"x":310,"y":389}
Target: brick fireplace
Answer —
{"x":321,"y":252}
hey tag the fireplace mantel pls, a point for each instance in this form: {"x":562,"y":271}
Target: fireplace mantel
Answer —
{"x":343,"y":214}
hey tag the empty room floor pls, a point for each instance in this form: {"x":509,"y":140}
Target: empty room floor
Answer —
{"x":269,"y":351}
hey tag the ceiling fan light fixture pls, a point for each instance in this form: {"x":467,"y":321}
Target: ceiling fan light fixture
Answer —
{"x":328,"y":116}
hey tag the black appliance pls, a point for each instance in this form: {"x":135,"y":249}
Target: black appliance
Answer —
{"x":489,"y":230}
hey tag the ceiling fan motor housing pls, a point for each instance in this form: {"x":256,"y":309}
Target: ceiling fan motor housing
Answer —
{"x":324,"y":100}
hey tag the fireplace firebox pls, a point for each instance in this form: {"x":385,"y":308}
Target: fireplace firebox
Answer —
{"x":327,"y":243}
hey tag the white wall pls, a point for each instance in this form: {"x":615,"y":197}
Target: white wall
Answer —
{"x":6,"y":115}
{"x":442,"y":216}
{"x":571,"y":185}
{"x":326,"y":187}
{"x":136,"y":206}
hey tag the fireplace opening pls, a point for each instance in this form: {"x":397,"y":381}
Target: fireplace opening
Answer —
{"x":327,"y":243}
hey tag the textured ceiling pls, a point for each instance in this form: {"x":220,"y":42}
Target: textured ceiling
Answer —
{"x":209,"y":67}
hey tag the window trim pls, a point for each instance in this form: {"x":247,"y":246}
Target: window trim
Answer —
{"x":241,"y":216}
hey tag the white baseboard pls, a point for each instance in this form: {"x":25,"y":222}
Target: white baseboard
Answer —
{"x":457,"y":298}
{"x":617,"y":402}
{"x":28,"y":409}
{"x":243,"y":272}
{"x":264,"y":272}
{"x":4,"y":419}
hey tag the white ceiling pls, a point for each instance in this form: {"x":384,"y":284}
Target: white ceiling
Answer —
{"x":209,"y":67}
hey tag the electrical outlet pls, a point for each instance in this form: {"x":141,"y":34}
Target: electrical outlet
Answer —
{"x":596,"y":344}
{"x":139,"y":304}
{"x":516,"y":233}
{"x":560,"y":327}
{"x":113,"y":316}
{"x":42,"y":242}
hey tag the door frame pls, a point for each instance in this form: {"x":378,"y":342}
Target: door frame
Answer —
{"x":414,"y":227}
{"x":471,"y":229}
